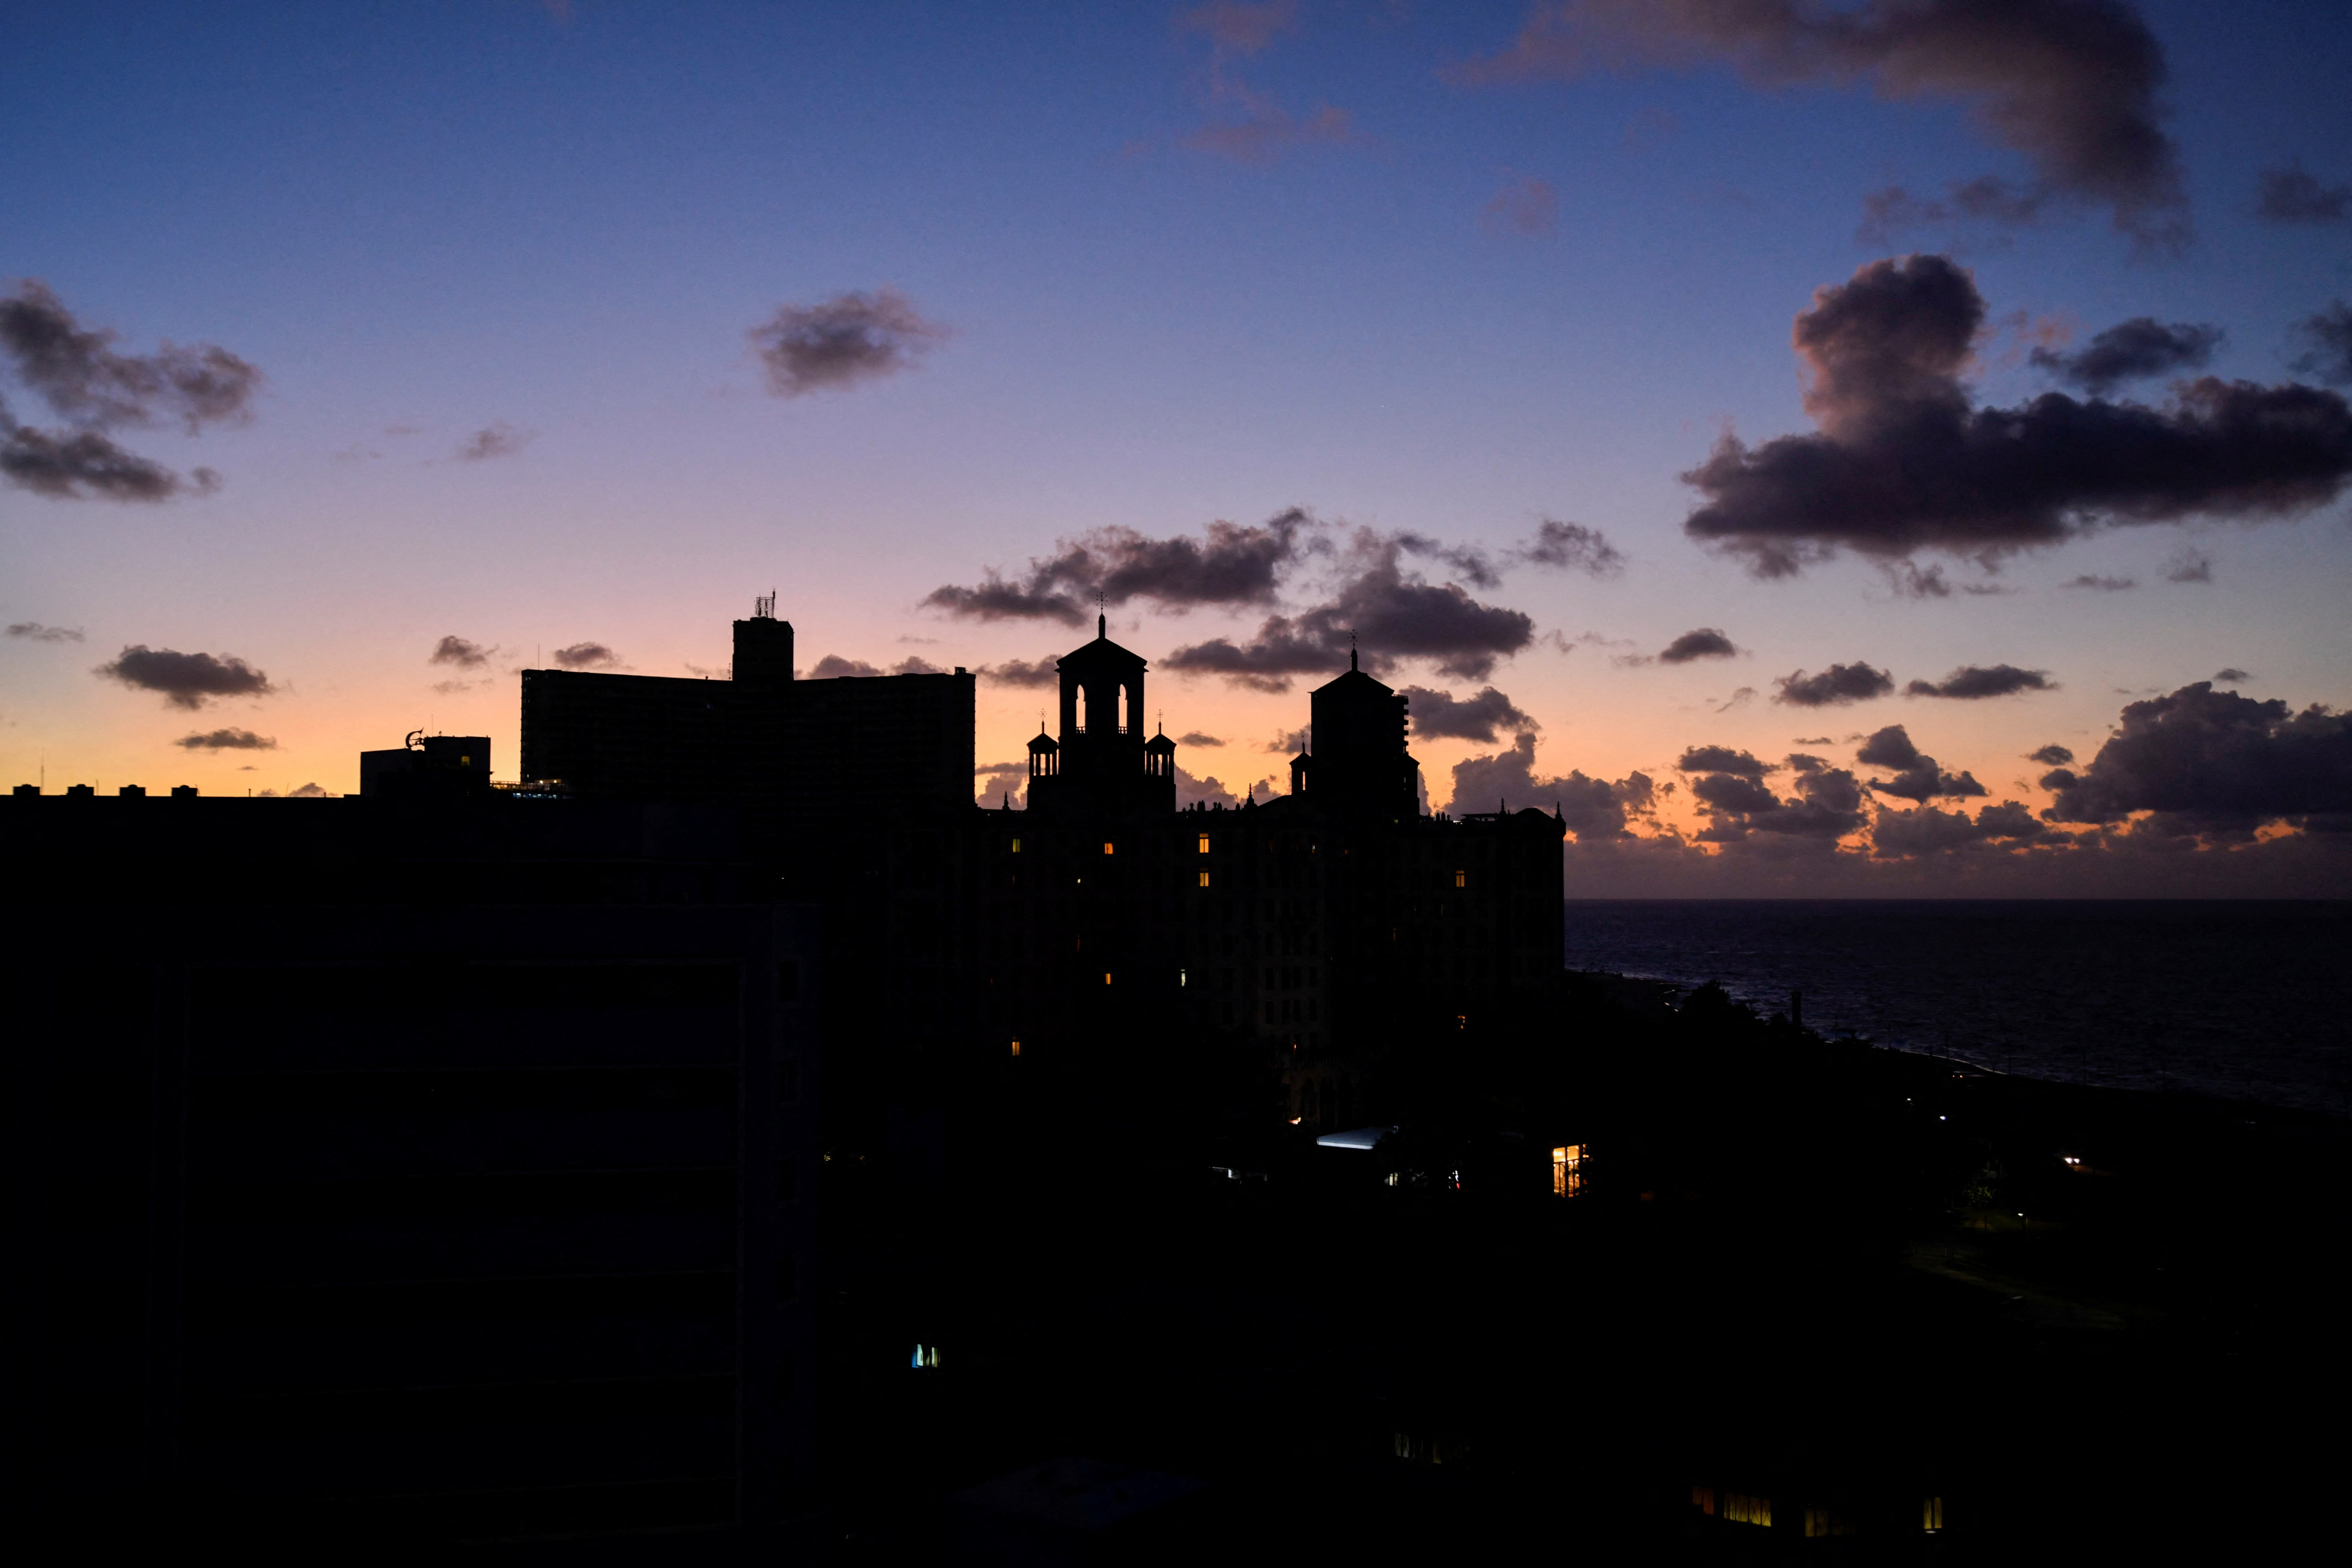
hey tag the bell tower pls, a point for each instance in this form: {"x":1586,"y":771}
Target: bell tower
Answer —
{"x":1100,"y":759}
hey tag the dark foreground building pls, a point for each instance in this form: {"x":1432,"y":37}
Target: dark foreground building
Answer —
{"x":426,"y":1168}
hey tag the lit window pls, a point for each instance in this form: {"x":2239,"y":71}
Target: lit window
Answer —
{"x":1205,"y":843}
{"x":1017,"y":1047}
{"x":1461,"y":1020}
{"x":1105,"y":848}
{"x":926,"y":1358}
{"x":1204,"y":878}
{"x":1931,"y":1513}
{"x":1703,"y":1499}
{"x":1180,"y":979}
{"x":1741,"y":1509}
{"x":1568,"y":1170}
{"x":1016,"y":847}
{"x":1821,"y":1521}
{"x":1105,"y":979}
{"x":1461,"y":879}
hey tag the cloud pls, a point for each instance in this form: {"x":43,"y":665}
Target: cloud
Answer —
{"x":2329,"y":335}
{"x":1826,"y":806}
{"x":1837,"y":684}
{"x":2186,"y":566}
{"x":1441,"y":714}
{"x":76,"y":371}
{"x":1703,"y":641}
{"x":1234,"y":28}
{"x":1974,"y":680}
{"x":1289,"y":743}
{"x":1228,"y":564}
{"x":832,"y":667}
{"x":1525,"y":206}
{"x":2133,"y":351}
{"x":1194,"y":738}
{"x":2291,"y":196}
{"x":1721,"y":760}
{"x":1192,"y":791}
{"x":1259,"y":131}
{"x":310,"y":792}
{"x":1001,"y":781}
{"x":915,"y":664}
{"x":1739,"y":698}
{"x":1596,"y":810}
{"x":1927,"y":831}
{"x":228,"y":740}
{"x":838,"y":343}
{"x":587,"y":655}
{"x":1019,"y":672}
{"x":184,"y":679}
{"x":2217,"y":764}
{"x":2071,"y":84}
{"x":2051,"y":756}
{"x":1903,"y":463}
{"x":2233,"y":673}
{"x":1394,"y":614}
{"x":2101,"y":584}
{"x":1888,"y":212}
{"x":33,"y":631}
{"x":459,"y":651}
{"x":1572,"y":547}
{"x":453,"y":687}
{"x":500,"y":439}
{"x":1916,"y":775}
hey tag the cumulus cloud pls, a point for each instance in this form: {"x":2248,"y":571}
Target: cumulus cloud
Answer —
{"x":832,"y":667}
{"x":1705,"y":642}
{"x":839,"y":343}
{"x":1228,"y":565}
{"x":2217,"y":764}
{"x":1022,"y":672}
{"x":2052,"y":756}
{"x":1974,"y":680}
{"x":33,"y":631}
{"x":1571,"y":546}
{"x":1289,"y":743}
{"x":1001,"y":782}
{"x":230,"y":738}
{"x":1927,"y":831}
{"x":1833,"y":687}
{"x":2098,"y":584}
{"x":1440,"y":714}
{"x":2292,"y":195}
{"x":2231,"y":673}
{"x":461,"y":652}
{"x":498,"y":439}
{"x":2133,"y":351}
{"x":2328,"y":337}
{"x":1721,"y":760}
{"x":1916,"y":775}
{"x":587,"y":655}
{"x":1729,"y":788}
{"x":1192,"y":791}
{"x":184,"y":679}
{"x":1194,"y":738}
{"x":1596,"y":810}
{"x":2071,"y":84}
{"x":1395,"y":614}
{"x":1902,"y":463}
{"x":1525,"y":206}
{"x":94,"y":389}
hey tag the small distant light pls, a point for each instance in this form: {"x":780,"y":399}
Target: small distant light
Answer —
{"x":1943,"y":1118}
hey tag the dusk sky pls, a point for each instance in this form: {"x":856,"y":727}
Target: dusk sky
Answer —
{"x":1659,"y":391}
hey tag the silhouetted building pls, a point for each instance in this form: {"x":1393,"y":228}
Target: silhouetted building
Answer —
{"x":420,"y":1170}
{"x":429,"y":767}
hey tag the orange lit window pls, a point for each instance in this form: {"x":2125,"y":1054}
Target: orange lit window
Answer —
{"x":1016,"y":847}
{"x":1741,"y":1509}
{"x":1703,"y":1499}
{"x":1204,"y":878}
{"x":1105,"y":979}
{"x":1105,"y":848}
{"x":1205,"y":843}
{"x":1568,"y":1170}
{"x":1461,"y":879}
{"x":1017,"y":1047}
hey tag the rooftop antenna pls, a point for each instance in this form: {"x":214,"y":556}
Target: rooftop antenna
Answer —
{"x":763,"y":608}
{"x":1102,"y":614}
{"x":1351,"y":650}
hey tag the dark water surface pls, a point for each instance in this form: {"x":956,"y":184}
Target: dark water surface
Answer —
{"x":2246,"y":999}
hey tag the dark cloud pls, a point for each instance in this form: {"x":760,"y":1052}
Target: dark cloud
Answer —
{"x":1706,"y":642}
{"x":2233,"y":673}
{"x":1290,"y":742}
{"x":841,"y":342}
{"x":1440,"y":714}
{"x":495,"y":440}
{"x":587,"y":655}
{"x":1903,"y":463}
{"x":1572,"y":547}
{"x":86,"y":465}
{"x":1971,"y":680}
{"x":1596,"y":810}
{"x":185,"y":679}
{"x":228,"y":740}
{"x":1194,"y":738}
{"x":2292,"y":195}
{"x":1525,"y":206}
{"x":1927,"y":831}
{"x":461,"y":652}
{"x":1837,"y":684}
{"x":77,"y":372}
{"x":1722,"y":760}
{"x":1228,"y":565}
{"x":2329,"y":335}
{"x":2218,"y":764}
{"x":2134,"y":351}
{"x":1804,"y":762}
{"x":1738,"y":699}
{"x":2071,"y":84}
{"x":1917,"y":777}
{"x":2052,"y":756}
{"x":33,"y":631}
{"x":1192,"y":791}
{"x":2101,"y":584}
{"x":1468,"y":561}
{"x":2189,"y":566}
{"x":832,"y":667}
{"x":1020,"y":672}
{"x":1001,"y":782}
{"x":1886,"y":213}
{"x":1826,"y":806}
{"x":1395,"y":615}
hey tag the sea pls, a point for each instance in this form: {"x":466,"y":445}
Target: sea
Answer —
{"x":2240,"y":999}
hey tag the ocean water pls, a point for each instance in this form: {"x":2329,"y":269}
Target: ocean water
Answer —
{"x":2252,"y":1000}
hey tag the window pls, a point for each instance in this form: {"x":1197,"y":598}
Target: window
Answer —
{"x":1107,"y":849}
{"x":1205,"y":843}
{"x":1568,"y":1170}
{"x":926,"y":1359}
{"x":1016,"y":847}
{"x":1821,"y":1521}
{"x":1105,"y":979}
{"x":1741,"y":1509}
{"x":1180,"y":979}
{"x":1204,"y":878}
{"x":1461,"y":879}
{"x":1461,"y":1020}
{"x":1017,"y":1047}
{"x":1703,"y":1499}
{"x":1931,"y":1514}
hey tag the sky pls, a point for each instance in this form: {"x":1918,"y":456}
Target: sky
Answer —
{"x":1871,"y":448}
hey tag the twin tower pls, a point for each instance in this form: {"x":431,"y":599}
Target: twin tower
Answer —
{"x":1102,"y":764}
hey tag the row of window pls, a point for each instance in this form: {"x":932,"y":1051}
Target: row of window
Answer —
{"x":1743,"y":1507}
